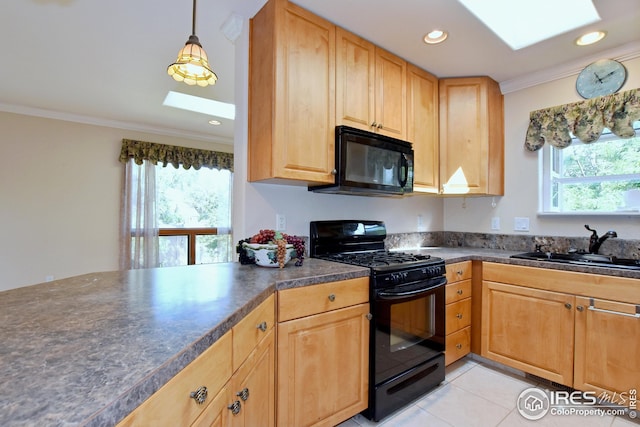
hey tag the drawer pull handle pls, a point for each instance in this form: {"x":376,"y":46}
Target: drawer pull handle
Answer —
{"x":459,"y":291}
{"x":262,"y":326}
{"x":200,"y":395}
{"x":459,"y":272}
{"x":567,"y":305}
{"x":459,"y":315}
{"x":243,"y":394}
{"x":592,"y":307}
{"x":459,"y":346}
{"x":235,"y":407}
{"x":332,"y":297}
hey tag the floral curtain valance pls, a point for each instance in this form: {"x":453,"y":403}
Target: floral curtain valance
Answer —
{"x":170,"y":154}
{"x":585,"y":119}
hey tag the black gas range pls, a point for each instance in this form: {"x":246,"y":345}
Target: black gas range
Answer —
{"x":406,"y":355}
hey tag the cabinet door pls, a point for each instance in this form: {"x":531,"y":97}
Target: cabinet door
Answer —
{"x":529,"y":329}
{"x":391,"y":94}
{"x":253,"y":386}
{"x":323,"y":367}
{"x":355,"y":74}
{"x":291,"y":95}
{"x":422,"y":128}
{"x":607,"y":347}
{"x":471,"y":136}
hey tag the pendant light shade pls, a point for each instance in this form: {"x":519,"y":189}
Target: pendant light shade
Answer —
{"x":192,"y":65}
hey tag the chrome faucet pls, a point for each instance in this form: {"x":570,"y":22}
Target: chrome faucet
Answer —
{"x":595,"y":241}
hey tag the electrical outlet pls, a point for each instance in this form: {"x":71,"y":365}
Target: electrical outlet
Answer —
{"x":521,"y":224}
{"x":495,"y":223}
{"x":281,"y":222}
{"x":421,"y":223}
{"x":48,"y":279}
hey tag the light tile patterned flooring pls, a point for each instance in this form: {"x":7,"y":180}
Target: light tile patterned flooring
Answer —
{"x":476,"y":393}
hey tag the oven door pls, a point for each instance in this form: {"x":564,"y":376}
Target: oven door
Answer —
{"x":408,"y":327}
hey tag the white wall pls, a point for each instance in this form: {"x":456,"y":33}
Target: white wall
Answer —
{"x":521,"y":173}
{"x":60,"y":188}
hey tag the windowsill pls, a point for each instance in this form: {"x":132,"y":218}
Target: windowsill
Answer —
{"x":634,"y":212}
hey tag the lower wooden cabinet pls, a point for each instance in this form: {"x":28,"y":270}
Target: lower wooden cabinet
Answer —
{"x":544,"y":322}
{"x":457,"y":311}
{"x":607,"y":346}
{"x":323,"y":357}
{"x":229,"y":396}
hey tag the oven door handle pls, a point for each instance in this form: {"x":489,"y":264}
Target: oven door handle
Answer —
{"x":399,"y":295}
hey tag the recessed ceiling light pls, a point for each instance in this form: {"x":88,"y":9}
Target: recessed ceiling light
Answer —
{"x":206,"y":106}
{"x":540,"y":19}
{"x":590,"y":38}
{"x":435,"y":36}
{"x":215,"y":122}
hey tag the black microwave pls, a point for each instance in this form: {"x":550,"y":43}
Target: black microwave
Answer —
{"x":370,"y":164}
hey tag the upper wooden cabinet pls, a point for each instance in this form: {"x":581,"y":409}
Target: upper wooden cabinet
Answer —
{"x":370,"y":87}
{"x":291,"y":95}
{"x":471,"y":136}
{"x":422,"y":128}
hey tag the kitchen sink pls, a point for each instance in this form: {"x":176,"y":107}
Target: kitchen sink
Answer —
{"x":592,"y":260}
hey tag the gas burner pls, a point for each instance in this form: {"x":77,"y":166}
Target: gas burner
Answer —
{"x":376,"y":258}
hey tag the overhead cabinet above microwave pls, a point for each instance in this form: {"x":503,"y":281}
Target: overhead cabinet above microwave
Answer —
{"x":307,"y":76}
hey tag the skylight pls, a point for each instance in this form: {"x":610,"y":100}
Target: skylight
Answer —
{"x":520,"y":24}
{"x":206,"y":106}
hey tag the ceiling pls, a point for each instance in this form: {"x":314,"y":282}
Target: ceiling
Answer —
{"x":104,"y":62}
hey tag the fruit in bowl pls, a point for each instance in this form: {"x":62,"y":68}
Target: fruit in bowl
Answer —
{"x":270,"y":248}
{"x":267,"y":255}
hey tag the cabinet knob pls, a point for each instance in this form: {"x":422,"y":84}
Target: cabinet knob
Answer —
{"x":369,"y":316}
{"x":580,"y":308}
{"x":332,"y":297}
{"x":567,"y":305}
{"x":374,"y":125}
{"x":243,"y":394}
{"x":379,"y":125}
{"x":334,"y":172}
{"x":459,"y":292}
{"x":459,"y":272}
{"x":235,"y":407}
{"x":459,"y":315}
{"x":459,"y":346}
{"x":262,"y":326}
{"x":200,"y":395}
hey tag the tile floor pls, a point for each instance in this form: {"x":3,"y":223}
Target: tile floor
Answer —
{"x":478,"y":393}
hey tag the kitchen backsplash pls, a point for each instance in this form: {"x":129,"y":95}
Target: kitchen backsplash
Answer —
{"x":510,"y":242}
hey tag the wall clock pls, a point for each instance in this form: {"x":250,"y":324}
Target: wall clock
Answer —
{"x":602,"y":77}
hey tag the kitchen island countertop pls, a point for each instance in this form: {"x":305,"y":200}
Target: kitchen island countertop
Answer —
{"x":87,"y":350}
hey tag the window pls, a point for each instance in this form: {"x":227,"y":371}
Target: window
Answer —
{"x":595,"y":178}
{"x":194,"y":215}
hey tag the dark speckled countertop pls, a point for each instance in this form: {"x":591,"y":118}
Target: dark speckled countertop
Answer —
{"x":87,"y":350}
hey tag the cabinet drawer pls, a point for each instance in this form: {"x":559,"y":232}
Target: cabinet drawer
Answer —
{"x":314,"y":299}
{"x":457,"y":345}
{"x":172,"y":404}
{"x":458,"y":315}
{"x":252,"y":329}
{"x":458,"y":271}
{"x":458,"y":291}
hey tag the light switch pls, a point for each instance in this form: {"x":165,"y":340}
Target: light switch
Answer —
{"x":521,"y":224}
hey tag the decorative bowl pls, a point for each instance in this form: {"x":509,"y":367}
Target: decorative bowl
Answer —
{"x":266,"y":255}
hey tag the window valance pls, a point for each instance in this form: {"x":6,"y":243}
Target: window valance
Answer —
{"x":170,"y":154}
{"x":585,"y":119}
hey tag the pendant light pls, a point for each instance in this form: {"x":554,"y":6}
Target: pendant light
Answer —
{"x":192,"y":66}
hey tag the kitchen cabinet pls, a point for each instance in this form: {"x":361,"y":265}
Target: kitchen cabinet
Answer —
{"x":370,"y":87}
{"x":322,"y":353}
{"x":291,"y":95}
{"x":422,"y":128}
{"x":576,"y":329}
{"x":230,"y":396}
{"x":607,"y":346}
{"x":471,"y":136}
{"x":458,"y":311}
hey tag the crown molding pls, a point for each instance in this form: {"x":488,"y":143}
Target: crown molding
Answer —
{"x":621,"y":53}
{"x":96,"y":121}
